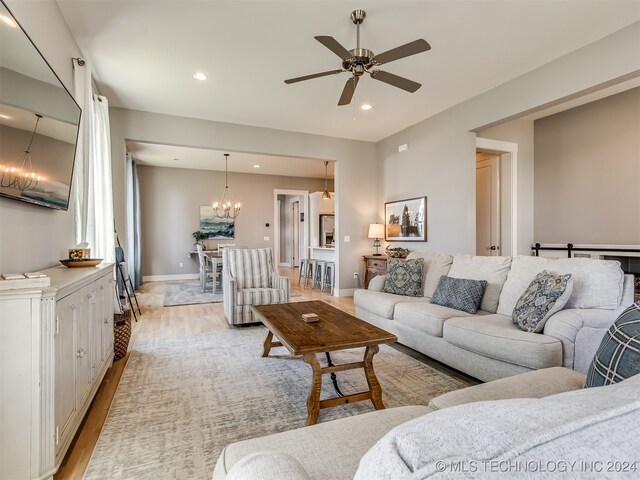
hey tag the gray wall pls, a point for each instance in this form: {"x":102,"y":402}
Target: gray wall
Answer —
{"x":587,"y":173}
{"x":170,"y":200}
{"x":355,"y":175}
{"x":440,"y":161}
{"x":31,"y":237}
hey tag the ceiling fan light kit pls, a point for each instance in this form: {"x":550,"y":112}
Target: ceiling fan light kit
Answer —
{"x":361,"y":60}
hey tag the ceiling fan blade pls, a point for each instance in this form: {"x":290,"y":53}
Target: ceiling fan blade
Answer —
{"x":395,"y":80}
{"x":348,"y":91}
{"x":333,"y":45}
{"x":411,"y":48}
{"x":313,"y":75}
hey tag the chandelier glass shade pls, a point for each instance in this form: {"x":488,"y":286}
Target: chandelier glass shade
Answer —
{"x":226,"y":206}
{"x":21,"y":177}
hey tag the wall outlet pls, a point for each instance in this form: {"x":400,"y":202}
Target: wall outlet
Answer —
{"x":355,"y":274}
{"x":347,"y":239}
{"x":266,"y":239}
{"x":180,"y":264}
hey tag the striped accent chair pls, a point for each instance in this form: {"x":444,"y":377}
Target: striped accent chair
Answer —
{"x":249,"y":278}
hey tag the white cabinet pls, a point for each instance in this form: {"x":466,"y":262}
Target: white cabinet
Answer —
{"x":56,"y":344}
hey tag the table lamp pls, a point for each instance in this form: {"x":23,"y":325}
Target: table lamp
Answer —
{"x":376,"y":230}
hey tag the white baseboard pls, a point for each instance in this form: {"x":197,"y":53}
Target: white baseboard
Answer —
{"x":285,"y":264}
{"x":164,"y":278}
{"x":346,"y":292}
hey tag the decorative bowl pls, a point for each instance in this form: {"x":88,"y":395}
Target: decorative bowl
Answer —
{"x":81,"y":263}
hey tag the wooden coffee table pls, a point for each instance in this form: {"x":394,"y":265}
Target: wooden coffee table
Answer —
{"x":336,"y":330}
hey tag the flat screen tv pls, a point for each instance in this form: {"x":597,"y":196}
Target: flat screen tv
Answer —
{"x":39,"y":122}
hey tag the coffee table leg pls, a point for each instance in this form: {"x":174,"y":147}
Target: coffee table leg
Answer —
{"x":313,"y":400}
{"x":267,"y":344}
{"x":372,"y":381}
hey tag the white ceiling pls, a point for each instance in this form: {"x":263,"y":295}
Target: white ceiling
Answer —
{"x":145,"y":52}
{"x":185,"y":157}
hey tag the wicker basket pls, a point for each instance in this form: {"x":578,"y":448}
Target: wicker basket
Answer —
{"x":121,"y":333}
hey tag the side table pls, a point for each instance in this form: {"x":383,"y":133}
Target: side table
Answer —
{"x":374,"y":265}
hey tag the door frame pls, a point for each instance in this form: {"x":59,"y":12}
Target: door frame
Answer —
{"x":295,"y":225}
{"x":276,"y":220}
{"x":506,"y":148}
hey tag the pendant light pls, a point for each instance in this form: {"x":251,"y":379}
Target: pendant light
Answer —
{"x":325,"y":194}
{"x":226,"y":207}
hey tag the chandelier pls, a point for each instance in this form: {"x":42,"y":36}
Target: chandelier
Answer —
{"x":226,"y":207}
{"x":21,"y":178}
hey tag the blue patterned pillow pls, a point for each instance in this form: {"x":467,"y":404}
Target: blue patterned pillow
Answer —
{"x":404,"y":277}
{"x":547,"y":294}
{"x":459,"y":293}
{"x":618,"y":356}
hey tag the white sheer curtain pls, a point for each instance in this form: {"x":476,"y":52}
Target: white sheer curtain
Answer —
{"x":93,"y":195}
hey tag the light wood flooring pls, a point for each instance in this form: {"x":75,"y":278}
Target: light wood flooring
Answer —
{"x":158,"y":321}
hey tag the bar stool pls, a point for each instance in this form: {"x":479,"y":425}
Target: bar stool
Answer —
{"x":318,"y":274}
{"x":310,"y":271}
{"x":328,"y":276}
{"x":304,"y":267}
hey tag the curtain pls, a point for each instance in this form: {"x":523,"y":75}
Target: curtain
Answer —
{"x":134,"y":257}
{"x":93,"y":194}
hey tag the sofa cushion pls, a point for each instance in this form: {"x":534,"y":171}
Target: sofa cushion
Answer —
{"x":427,"y":318}
{"x":495,"y":336}
{"x":492,"y":269}
{"x":559,"y":435}
{"x":546,"y":294}
{"x":618,"y":356}
{"x":404,"y":277}
{"x":459,"y":293}
{"x":315,"y":447}
{"x":260,"y":296}
{"x":596,"y":283}
{"x":381,"y":303}
{"x":534,"y":384}
{"x":435,"y":265}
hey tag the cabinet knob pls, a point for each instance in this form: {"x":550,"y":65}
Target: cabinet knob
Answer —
{"x":106,"y":320}
{"x":81,"y":353}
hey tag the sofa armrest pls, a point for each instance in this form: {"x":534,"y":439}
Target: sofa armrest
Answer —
{"x":376,"y":284}
{"x":229,"y":295}
{"x":282,"y":283}
{"x":534,"y":384}
{"x":268,"y":466}
{"x":580,"y":330}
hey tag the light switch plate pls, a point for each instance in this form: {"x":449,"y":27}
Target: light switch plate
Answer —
{"x":347,"y":239}
{"x":266,"y":239}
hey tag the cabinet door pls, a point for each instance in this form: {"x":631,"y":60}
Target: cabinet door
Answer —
{"x":107,"y":325}
{"x":65,"y":367}
{"x":97,"y":351}
{"x":86,"y":312}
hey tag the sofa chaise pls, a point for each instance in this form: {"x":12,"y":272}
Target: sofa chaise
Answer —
{"x":487,"y":345}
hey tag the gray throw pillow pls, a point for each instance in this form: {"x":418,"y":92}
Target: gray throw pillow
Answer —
{"x":459,"y":293}
{"x":618,"y":356}
{"x":547,"y":294}
{"x":404,"y":277}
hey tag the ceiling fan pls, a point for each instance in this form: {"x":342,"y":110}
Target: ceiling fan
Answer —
{"x":360,"y":61}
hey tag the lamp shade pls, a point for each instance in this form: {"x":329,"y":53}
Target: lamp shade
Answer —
{"x":376,"y":230}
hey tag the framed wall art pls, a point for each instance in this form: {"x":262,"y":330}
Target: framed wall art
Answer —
{"x":406,"y":220}
{"x":214,"y":227}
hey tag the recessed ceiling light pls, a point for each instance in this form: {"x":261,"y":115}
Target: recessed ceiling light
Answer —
{"x":199,"y":76}
{"x":8,"y":20}
{"x":256,"y":166}
{"x":176,"y":159}
{"x":366,"y":106}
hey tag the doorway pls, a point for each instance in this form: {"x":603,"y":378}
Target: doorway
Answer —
{"x":496,"y":197}
{"x":295,"y":233}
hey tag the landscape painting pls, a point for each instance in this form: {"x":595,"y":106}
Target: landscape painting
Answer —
{"x":406,"y":220}
{"x":214,"y":227}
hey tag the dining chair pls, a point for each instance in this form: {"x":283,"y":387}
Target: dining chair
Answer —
{"x":206,"y":273}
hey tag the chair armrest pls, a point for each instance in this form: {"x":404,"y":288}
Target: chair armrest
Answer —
{"x":229,"y":295}
{"x":268,"y":465}
{"x":376,"y":284}
{"x":535,"y":384}
{"x":282,"y":283}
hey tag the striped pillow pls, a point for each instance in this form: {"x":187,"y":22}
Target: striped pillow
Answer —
{"x":618,"y":356}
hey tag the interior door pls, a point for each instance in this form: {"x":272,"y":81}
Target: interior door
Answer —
{"x":487,"y":205}
{"x":295,"y":234}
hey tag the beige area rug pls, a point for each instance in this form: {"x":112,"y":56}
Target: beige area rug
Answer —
{"x":182,"y":399}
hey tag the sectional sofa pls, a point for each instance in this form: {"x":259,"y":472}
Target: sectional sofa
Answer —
{"x":542,"y":420}
{"x":487,"y":345}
